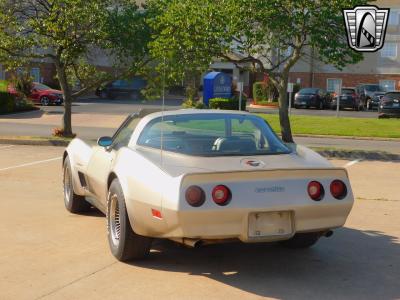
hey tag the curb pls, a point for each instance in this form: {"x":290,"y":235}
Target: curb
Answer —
{"x":34,"y":142}
{"x":346,"y":137}
{"x":358,"y":154}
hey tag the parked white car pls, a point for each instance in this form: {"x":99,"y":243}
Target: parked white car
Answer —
{"x":204,"y":176}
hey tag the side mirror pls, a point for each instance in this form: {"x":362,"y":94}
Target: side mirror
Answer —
{"x":104,"y":141}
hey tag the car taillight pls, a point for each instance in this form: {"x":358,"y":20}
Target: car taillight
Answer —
{"x":195,"y":196}
{"x":315,"y":190}
{"x":338,"y":189}
{"x":221,"y":195}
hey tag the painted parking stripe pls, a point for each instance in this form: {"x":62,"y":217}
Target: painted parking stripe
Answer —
{"x":31,"y":164}
{"x":6,"y":147}
{"x":352,"y":163}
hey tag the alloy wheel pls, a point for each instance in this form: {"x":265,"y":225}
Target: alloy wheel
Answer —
{"x":114,"y":222}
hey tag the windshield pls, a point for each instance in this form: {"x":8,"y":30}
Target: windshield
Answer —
{"x":41,"y":87}
{"x":374,"y":88}
{"x":308,"y":91}
{"x":213,"y":135}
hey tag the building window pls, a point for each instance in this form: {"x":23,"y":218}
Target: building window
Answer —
{"x":394,"y":17}
{"x":332,"y":83}
{"x":389,"y":50}
{"x":35,"y":74}
{"x":388,"y":85}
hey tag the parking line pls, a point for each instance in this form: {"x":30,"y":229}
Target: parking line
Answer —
{"x":352,"y":163}
{"x":31,"y":164}
{"x":6,"y":147}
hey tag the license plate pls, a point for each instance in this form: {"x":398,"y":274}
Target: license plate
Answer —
{"x":265,"y":224}
{"x":303,"y":102}
{"x":396,"y":104}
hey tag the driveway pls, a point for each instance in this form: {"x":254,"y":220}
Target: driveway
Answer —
{"x":48,"y":253}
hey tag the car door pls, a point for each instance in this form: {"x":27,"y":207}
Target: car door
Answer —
{"x":103,"y":158}
{"x":35,"y":95}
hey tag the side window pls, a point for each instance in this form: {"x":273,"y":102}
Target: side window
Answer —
{"x":122,"y":138}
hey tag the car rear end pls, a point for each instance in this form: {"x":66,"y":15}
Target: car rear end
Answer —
{"x":347,"y":99}
{"x":390,"y":105}
{"x":306,"y":98}
{"x":258,"y":206}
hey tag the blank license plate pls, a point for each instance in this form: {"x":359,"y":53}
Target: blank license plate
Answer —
{"x":266,"y":224}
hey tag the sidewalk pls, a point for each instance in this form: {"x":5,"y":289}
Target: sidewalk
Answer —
{"x":55,"y":119}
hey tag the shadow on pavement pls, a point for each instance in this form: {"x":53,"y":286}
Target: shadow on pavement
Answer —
{"x":352,"y":264}
{"x":34,"y":114}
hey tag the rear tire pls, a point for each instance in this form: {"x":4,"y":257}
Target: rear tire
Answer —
{"x":302,"y":240}
{"x":124,"y":243}
{"x":45,"y":101}
{"x":73,"y":203}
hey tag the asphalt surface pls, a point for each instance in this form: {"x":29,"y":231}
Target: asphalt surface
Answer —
{"x":48,"y":253}
{"x":99,"y":107}
{"x":122,"y":106}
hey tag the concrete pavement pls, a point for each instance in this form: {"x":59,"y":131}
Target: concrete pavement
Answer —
{"x":48,"y":253}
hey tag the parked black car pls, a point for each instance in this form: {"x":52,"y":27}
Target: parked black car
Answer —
{"x":367,"y":93}
{"x":376,"y":99}
{"x":389,"y":105}
{"x":348,"y":99}
{"x":312,"y":97}
{"x":127,"y":88}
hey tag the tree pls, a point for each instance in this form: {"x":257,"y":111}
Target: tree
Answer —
{"x":70,"y":34}
{"x":270,"y":35}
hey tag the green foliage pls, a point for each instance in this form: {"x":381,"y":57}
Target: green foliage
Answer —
{"x":260,"y":92}
{"x":264,"y":91}
{"x":23,"y":84}
{"x":190,"y":103}
{"x":7,"y":102}
{"x":228,"y":104}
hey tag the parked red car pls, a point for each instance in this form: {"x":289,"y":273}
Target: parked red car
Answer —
{"x":42,"y":94}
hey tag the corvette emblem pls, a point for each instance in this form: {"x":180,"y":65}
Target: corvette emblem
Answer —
{"x":366,"y":27}
{"x":252,"y":163}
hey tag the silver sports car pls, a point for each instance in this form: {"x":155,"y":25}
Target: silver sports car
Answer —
{"x":204,"y":176}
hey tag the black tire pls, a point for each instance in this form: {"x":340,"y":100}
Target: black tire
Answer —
{"x":45,"y":101}
{"x":302,"y":240}
{"x":124,"y":243}
{"x":73,"y":203}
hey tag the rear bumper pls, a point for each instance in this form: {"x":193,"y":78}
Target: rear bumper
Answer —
{"x":225,"y":223}
{"x":389,"y":112}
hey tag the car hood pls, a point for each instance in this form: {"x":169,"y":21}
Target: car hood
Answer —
{"x":51,"y":92}
{"x":178,"y":164}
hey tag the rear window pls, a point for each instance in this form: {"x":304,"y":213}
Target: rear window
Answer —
{"x":212,"y":135}
{"x":348,"y":91}
{"x":392,"y":95}
{"x":308,"y":91}
{"x":373,"y":88}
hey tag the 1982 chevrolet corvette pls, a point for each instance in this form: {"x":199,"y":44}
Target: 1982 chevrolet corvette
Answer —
{"x":204,"y":176}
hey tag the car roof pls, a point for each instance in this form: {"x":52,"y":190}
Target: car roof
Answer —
{"x":155,"y":113}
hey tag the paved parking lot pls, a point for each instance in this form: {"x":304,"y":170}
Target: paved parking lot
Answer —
{"x":47,"y":253}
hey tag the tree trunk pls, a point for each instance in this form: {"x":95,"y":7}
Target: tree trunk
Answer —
{"x":62,"y":78}
{"x":284,"y":110}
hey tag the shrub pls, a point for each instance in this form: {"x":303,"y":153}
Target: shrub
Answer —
{"x":23,"y":84}
{"x":229,"y":104}
{"x":7,"y":102}
{"x":260,"y":92}
{"x":264,"y":91}
{"x":193,"y":104}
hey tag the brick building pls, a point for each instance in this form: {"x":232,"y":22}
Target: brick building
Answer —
{"x":381,"y":67}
